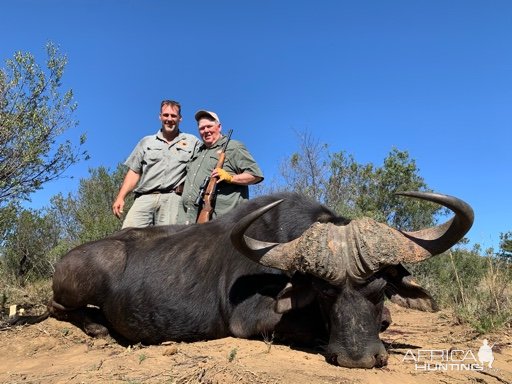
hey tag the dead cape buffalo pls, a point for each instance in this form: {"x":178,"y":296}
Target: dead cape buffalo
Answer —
{"x":280,"y":264}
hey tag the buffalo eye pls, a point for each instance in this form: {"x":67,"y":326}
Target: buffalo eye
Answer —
{"x":325,"y":289}
{"x":329,"y":291}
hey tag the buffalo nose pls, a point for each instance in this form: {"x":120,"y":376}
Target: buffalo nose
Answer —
{"x":378,"y":360}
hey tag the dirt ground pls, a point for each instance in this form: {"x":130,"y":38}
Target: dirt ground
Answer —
{"x":57,"y":352}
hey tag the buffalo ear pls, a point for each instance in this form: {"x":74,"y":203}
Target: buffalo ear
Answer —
{"x":293,"y":297}
{"x":402,"y":289}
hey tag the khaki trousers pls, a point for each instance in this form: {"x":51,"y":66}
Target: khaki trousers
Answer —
{"x":153,"y":209}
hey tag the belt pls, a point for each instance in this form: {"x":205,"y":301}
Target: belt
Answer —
{"x":177,"y":190}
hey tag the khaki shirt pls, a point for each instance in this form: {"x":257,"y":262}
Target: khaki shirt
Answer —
{"x":161,"y":165}
{"x":238,"y":160}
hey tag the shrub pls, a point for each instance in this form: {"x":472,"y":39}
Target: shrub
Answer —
{"x":474,"y":287}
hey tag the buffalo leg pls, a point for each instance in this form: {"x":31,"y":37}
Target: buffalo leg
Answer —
{"x":90,"y":319}
{"x":253,"y":317}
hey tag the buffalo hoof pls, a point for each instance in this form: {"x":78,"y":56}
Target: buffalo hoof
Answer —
{"x":96,"y":330}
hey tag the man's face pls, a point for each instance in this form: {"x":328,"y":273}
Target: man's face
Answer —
{"x":209,"y":131}
{"x":170,"y":118}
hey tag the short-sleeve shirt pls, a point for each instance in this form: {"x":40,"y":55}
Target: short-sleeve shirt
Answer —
{"x":238,"y":160}
{"x":161,"y":165}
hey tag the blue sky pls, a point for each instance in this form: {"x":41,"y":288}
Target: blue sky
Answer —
{"x":432,"y":77}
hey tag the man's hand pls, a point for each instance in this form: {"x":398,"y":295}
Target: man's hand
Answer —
{"x":222,"y":175}
{"x":129,"y":183}
{"x":117,"y":207}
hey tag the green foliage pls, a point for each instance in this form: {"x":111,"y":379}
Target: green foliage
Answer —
{"x":475,"y":287}
{"x":448,"y":268}
{"x":27,"y":247}
{"x":36,"y":239}
{"x":33,"y":115}
{"x":8,"y":215}
{"x":398,"y":174}
{"x":506,"y":246}
{"x":88,"y":216}
{"x":347,"y":182}
{"x":355,"y":190}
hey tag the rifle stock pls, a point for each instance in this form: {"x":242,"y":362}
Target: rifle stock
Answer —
{"x":208,"y":197}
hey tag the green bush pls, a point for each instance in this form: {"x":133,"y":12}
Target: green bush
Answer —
{"x":475,"y":287}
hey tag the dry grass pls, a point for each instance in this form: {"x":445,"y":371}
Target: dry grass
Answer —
{"x":32,"y":297}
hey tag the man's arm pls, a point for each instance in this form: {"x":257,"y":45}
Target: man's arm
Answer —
{"x":244,"y":178}
{"x":129,"y":183}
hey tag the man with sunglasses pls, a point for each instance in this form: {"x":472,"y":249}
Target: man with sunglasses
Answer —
{"x":156,"y":172}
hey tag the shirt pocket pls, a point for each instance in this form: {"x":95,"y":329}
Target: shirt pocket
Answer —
{"x":184,"y":154}
{"x":153,"y":155}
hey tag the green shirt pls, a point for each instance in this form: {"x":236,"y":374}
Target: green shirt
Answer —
{"x":238,"y":160}
{"x":161,"y":165}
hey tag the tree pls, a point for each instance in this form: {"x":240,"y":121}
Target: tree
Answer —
{"x":7,"y":216}
{"x":355,"y":190}
{"x":348,"y":181}
{"x":306,"y":170}
{"x":37,"y":239}
{"x":398,"y":174}
{"x":33,"y":115}
{"x":506,"y":246}
{"x":88,"y":215}
{"x":27,"y":249}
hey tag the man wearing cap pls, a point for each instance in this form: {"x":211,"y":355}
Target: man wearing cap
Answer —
{"x":156,"y":171}
{"x":239,"y":170}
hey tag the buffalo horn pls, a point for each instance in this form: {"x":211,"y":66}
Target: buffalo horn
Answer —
{"x":357,"y":249}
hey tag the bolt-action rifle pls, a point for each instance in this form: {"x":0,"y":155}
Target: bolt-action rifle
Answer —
{"x":207,"y":192}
